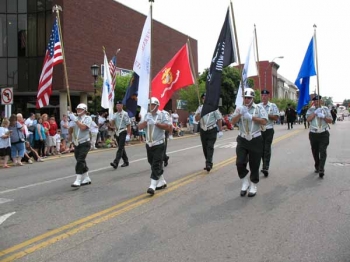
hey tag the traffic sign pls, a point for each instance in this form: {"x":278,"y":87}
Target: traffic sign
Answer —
{"x":7,"y":96}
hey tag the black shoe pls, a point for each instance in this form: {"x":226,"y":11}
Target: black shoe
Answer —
{"x":150,"y":191}
{"x":166,"y":160}
{"x":208,"y":168}
{"x":243,"y":193}
{"x":161,"y":187}
{"x":125,"y":164}
{"x":265,"y":172}
{"x":114,"y":165}
{"x":321,"y":174}
{"x":317,"y":171}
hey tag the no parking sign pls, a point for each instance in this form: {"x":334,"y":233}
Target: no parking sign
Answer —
{"x":7,"y":96}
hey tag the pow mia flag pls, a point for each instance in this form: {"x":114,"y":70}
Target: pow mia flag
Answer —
{"x":224,"y":55}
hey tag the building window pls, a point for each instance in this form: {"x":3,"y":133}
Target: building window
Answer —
{"x":12,"y":73}
{"x":22,"y":6}
{"x":3,"y":72}
{"x":32,"y":35}
{"x":12,"y":35}
{"x":22,"y":35}
{"x":11,"y":6}
{"x":3,"y":36}
{"x":41,"y":34}
{"x":2,"y":6}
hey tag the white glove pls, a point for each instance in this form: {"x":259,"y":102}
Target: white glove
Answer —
{"x":127,"y":139}
{"x":220,"y":134}
{"x":150,"y":121}
{"x":242,"y":110}
{"x":320,"y":115}
{"x":72,"y":117}
{"x":247,"y":116}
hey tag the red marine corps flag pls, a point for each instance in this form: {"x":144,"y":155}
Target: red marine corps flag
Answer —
{"x":176,"y":74}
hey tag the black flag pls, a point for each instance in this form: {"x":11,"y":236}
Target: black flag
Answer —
{"x":224,"y":55}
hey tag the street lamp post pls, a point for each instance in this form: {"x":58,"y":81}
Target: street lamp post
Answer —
{"x":270,"y":65}
{"x":94,"y":72}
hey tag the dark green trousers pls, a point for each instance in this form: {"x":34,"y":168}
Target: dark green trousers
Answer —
{"x":267,"y":136}
{"x":208,"y":139}
{"x":155,"y":159}
{"x":249,"y":152}
{"x":319,"y":143}
{"x":80,"y":153}
{"x":121,"y":153}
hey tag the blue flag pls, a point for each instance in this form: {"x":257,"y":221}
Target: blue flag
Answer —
{"x":303,"y":80}
{"x":130,"y":98}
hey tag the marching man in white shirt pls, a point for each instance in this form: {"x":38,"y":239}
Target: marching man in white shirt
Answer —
{"x":268,"y":131}
{"x":122,"y":124}
{"x":249,"y":148}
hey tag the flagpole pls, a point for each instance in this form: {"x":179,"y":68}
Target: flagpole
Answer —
{"x":57,"y":8}
{"x":237,"y":48}
{"x":150,"y":57}
{"x":316,"y":56}
{"x":257,"y":56}
{"x":192,"y":68}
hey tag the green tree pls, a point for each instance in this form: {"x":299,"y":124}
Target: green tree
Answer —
{"x":328,"y":101}
{"x":346,"y":103}
{"x":122,"y":83}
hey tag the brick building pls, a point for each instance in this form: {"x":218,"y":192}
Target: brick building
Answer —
{"x":86,"y":27}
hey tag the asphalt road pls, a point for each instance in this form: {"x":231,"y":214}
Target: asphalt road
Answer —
{"x":295,"y":216}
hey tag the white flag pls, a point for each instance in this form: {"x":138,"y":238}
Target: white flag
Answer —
{"x":248,"y":70}
{"x":142,"y":66}
{"x":107,"y":87}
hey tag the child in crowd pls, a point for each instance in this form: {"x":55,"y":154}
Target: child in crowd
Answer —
{"x":30,"y":153}
{"x":58,"y":140}
{"x":110,"y":142}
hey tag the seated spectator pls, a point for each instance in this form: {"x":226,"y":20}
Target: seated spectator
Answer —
{"x":30,"y":153}
{"x":142,"y":135}
{"x":66,"y":148}
{"x":177,"y":130}
{"x":110,"y":142}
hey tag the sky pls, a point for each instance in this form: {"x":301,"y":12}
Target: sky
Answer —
{"x":284,"y":28}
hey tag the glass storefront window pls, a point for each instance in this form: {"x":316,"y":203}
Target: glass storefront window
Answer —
{"x":49,"y":5}
{"x":31,"y":35}
{"x":31,"y":6}
{"x":41,"y":5}
{"x":3,"y":70}
{"x":12,"y":35}
{"x":22,"y":35}
{"x":12,"y":6}
{"x":41,"y":34}
{"x":12,"y":75}
{"x":2,"y":6}
{"x":22,"y":6}
{"x":3,"y":36}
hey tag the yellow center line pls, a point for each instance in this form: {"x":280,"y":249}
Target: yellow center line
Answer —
{"x":109,"y":213}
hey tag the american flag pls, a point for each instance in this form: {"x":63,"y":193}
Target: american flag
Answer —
{"x":53,"y":57}
{"x":113,"y":71}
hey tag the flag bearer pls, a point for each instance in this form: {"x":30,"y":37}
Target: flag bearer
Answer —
{"x":249,"y":148}
{"x":268,"y":131}
{"x":319,"y":116}
{"x":121,"y":121}
{"x":155,"y":123}
{"x":81,"y":140}
{"x":210,"y":128}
